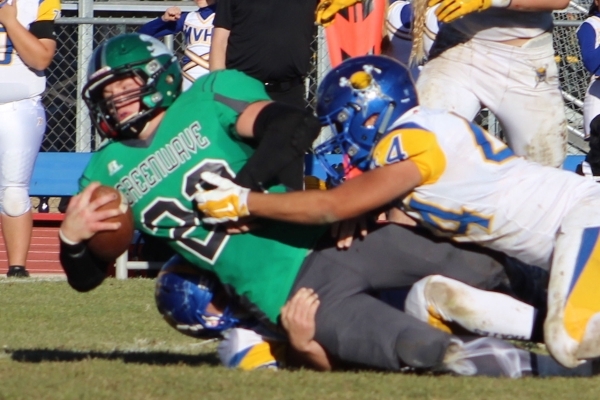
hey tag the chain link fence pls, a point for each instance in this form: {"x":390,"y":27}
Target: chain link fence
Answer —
{"x":85,"y":24}
{"x":574,"y":78}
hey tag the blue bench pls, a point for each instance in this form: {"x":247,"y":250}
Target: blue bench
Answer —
{"x":572,"y":161}
{"x":56,"y":174}
{"x":312,"y":166}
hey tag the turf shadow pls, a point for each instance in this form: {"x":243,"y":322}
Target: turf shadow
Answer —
{"x":151,"y":357}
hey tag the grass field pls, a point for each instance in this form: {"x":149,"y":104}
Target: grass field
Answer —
{"x":112,"y":344}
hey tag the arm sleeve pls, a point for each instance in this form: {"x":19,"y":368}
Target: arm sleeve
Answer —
{"x":224,"y":14}
{"x":84,"y":271}
{"x":590,"y":52}
{"x":43,"y":29}
{"x":158,"y":28}
{"x":415,"y":144}
{"x":233,"y":91}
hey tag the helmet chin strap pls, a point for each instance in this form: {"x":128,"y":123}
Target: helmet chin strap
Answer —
{"x":384,"y":122}
{"x":135,"y":128}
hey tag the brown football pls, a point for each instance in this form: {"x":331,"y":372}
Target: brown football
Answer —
{"x":108,"y":245}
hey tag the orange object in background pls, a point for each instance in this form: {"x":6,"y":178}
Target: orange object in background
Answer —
{"x":350,"y":171}
{"x":356,"y":31}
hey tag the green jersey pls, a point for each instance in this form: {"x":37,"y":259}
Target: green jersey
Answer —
{"x":159,"y":177}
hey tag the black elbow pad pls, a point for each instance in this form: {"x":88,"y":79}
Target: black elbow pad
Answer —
{"x":296,"y":127}
{"x":284,"y":134}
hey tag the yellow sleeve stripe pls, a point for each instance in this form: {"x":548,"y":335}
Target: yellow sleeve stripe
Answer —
{"x":48,"y":10}
{"x":415,"y":144}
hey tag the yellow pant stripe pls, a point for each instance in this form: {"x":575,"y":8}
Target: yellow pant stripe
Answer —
{"x":583,"y":299}
{"x":436,"y":320}
{"x":261,"y":355}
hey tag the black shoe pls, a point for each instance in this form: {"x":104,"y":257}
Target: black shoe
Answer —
{"x":17,"y":272}
{"x":63,"y":204}
{"x":44,"y":207}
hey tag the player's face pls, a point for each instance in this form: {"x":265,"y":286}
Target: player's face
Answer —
{"x":219,"y":302}
{"x":370,"y":122}
{"x":124,"y":95}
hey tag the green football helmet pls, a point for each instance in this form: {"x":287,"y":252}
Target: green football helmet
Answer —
{"x":131,"y":55}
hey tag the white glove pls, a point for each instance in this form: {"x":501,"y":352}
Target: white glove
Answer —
{"x":226,"y":202}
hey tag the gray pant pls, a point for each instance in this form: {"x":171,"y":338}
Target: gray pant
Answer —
{"x":355,"y":327}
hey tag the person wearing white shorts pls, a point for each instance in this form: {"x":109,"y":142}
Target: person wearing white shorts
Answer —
{"x":26,"y":49}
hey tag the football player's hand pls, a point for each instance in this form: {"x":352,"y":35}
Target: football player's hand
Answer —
{"x":82,"y":220}
{"x":298,"y":318}
{"x":327,"y":9}
{"x":345,"y":231}
{"x":226,"y":202}
{"x":8,"y":11}
{"x":242,"y":226}
{"x":397,"y":216}
{"x":449,"y":10}
{"x":171,"y":14}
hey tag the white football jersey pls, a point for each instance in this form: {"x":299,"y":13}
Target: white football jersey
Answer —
{"x":17,"y":80}
{"x":475,"y":189}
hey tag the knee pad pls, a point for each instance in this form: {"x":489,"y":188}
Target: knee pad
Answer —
{"x":15,"y":201}
{"x":419,"y":302}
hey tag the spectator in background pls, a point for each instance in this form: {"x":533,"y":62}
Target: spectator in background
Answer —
{"x":198,"y":30}
{"x":25,"y":51}
{"x":588,"y":36}
{"x":399,"y":21}
{"x":269,"y":40}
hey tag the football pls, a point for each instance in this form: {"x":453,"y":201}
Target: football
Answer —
{"x":108,"y":245}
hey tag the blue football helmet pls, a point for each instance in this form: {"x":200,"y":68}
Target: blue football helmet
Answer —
{"x":182,"y":295}
{"x":358,"y":100}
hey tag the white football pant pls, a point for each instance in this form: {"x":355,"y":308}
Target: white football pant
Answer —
{"x":21,"y":133}
{"x":518,"y":84}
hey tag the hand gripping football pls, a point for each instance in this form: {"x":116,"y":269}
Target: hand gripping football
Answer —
{"x":108,"y":245}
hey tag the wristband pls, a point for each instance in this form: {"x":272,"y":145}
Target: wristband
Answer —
{"x":66,"y":240}
{"x":501,"y":3}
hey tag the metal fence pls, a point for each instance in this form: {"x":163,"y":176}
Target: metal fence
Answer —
{"x":85,"y":24}
{"x":574,"y":78}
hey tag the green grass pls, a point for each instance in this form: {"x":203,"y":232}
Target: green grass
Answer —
{"x":112,"y":344}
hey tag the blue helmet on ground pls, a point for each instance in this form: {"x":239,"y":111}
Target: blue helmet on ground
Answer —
{"x":358,"y":100}
{"x":183,"y":294}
